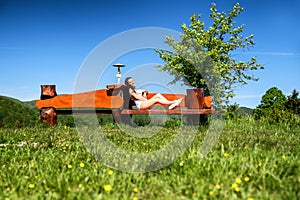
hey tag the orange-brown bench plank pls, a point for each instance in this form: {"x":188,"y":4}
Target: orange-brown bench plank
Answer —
{"x":168,"y":112}
{"x":93,"y":99}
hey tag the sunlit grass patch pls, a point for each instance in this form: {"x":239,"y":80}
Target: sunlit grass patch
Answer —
{"x":249,"y":161}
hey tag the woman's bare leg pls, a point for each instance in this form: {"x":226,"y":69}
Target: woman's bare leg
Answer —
{"x":161,"y":99}
{"x":158,"y":98}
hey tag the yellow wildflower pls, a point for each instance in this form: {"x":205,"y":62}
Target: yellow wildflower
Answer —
{"x":249,"y":198}
{"x":246,"y":179}
{"x":135,"y":198}
{"x":226,"y":154}
{"x":238,"y":180}
{"x":81,"y":165}
{"x":210,"y":193}
{"x":181,"y":163}
{"x":135,"y":189}
{"x":107,"y":188}
{"x":110,"y":172}
{"x":283,"y":157}
{"x":31,"y":185}
{"x":234,"y":186}
{"x":218,"y":187}
{"x":70,"y":166}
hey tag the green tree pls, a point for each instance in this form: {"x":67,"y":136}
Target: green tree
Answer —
{"x":274,"y":98}
{"x":293,"y":103}
{"x":231,"y":111}
{"x":204,"y":55}
{"x":272,"y":105}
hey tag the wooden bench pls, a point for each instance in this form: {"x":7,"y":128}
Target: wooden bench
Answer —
{"x":115,"y":100}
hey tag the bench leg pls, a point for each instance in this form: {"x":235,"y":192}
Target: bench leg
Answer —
{"x":121,"y":119}
{"x":197,"y":119}
{"x":117,"y":115}
{"x":127,"y":119}
{"x":48,"y":116}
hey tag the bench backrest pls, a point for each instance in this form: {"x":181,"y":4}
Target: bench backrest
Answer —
{"x":94,"y":99}
{"x":110,"y":98}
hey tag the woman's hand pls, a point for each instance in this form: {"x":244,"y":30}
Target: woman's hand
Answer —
{"x":144,"y":93}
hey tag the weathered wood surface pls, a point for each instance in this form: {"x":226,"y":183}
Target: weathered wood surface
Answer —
{"x":207,"y":101}
{"x":195,"y":98}
{"x":71,"y":111}
{"x":94,"y":99}
{"x":48,"y":91}
{"x":49,"y":116}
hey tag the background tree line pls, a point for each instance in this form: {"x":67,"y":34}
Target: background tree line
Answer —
{"x":274,"y":107}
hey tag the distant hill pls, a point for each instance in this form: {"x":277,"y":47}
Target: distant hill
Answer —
{"x":15,"y":113}
{"x":29,"y":104}
{"x":244,"y":111}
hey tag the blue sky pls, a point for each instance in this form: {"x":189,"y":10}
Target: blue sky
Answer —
{"x":48,"y":42}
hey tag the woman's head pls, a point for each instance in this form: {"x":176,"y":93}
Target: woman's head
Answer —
{"x":129,"y":82}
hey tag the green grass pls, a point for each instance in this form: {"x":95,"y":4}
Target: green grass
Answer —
{"x":250,"y":160}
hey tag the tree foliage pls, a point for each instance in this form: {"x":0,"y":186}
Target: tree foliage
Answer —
{"x":293,"y":103}
{"x":276,"y":107}
{"x":203,"y":56}
{"x":272,"y":105}
{"x":274,"y":98}
{"x":231,"y":111}
{"x":235,"y":112}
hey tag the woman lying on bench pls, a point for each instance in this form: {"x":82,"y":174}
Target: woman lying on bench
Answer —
{"x":140,"y":97}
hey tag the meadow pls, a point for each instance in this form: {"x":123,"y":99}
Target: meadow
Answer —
{"x":251,"y":160}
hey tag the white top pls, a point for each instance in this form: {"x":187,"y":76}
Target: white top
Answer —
{"x":139,"y":92}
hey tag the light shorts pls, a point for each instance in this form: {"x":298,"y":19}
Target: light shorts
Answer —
{"x":138,"y":103}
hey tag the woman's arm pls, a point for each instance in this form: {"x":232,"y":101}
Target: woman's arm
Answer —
{"x":144,"y":93}
{"x":137,"y":97}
